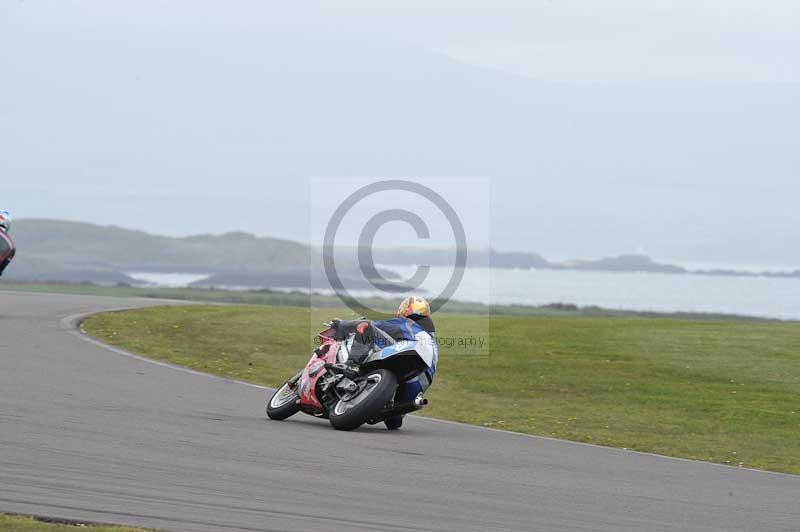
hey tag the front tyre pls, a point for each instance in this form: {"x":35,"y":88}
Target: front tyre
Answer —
{"x":283,"y":403}
{"x":353,"y":410}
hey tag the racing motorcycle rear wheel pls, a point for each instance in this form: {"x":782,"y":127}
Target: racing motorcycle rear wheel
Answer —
{"x":375,"y":389}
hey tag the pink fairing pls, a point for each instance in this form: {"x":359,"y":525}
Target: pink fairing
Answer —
{"x":314,"y":369}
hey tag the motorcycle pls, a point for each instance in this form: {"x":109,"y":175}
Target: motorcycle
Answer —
{"x":355,"y":379}
{"x":7,"y":250}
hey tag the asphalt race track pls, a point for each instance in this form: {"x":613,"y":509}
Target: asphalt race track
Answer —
{"x":90,"y":433}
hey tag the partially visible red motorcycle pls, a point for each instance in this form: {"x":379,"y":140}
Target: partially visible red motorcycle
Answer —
{"x":7,"y":250}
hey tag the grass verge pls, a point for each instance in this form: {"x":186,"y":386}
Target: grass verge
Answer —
{"x":16,"y":523}
{"x":721,"y":391}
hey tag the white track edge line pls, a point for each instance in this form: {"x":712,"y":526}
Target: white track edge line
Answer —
{"x":72,"y":323}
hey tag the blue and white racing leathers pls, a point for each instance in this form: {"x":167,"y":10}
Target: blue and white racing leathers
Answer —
{"x":406,"y":329}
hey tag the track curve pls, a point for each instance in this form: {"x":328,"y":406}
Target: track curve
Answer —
{"x":87,"y":433}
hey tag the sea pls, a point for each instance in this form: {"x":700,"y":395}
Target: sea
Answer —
{"x":766,"y":297}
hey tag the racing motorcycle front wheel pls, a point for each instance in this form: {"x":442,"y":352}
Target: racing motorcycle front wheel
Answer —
{"x":352,"y":410}
{"x":283,"y":403}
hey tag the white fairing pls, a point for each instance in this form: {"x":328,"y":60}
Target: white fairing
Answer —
{"x":424,"y":344}
{"x":427,"y":349}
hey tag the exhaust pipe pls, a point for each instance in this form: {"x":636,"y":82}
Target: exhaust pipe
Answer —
{"x":405,"y":407}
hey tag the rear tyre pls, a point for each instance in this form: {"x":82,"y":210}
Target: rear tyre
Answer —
{"x":376,"y":389}
{"x":283,"y":403}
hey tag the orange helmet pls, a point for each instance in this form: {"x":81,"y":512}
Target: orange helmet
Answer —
{"x":414,"y":306}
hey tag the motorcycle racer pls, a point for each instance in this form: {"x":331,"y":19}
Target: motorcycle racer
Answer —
{"x":412,"y":323}
{"x":365,"y":371}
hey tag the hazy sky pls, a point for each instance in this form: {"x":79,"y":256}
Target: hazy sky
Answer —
{"x":546,"y":39}
{"x":603,"y":127}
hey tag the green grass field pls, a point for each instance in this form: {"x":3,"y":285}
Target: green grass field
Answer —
{"x":721,"y":391}
{"x":13,"y":523}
